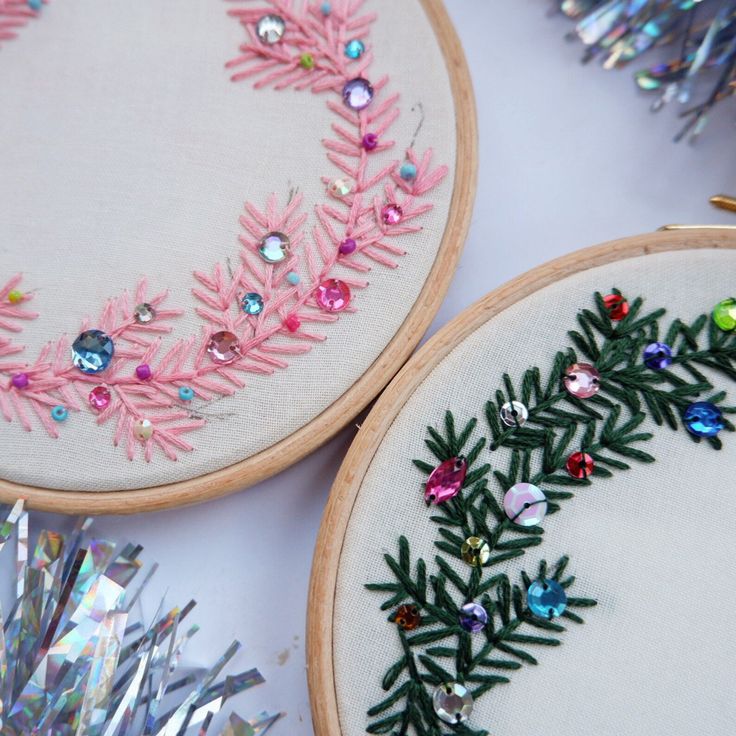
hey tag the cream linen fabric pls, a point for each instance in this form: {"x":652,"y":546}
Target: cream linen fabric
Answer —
{"x":654,"y":545}
{"x":126,"y":151}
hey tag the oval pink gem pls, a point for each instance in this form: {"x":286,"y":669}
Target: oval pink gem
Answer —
{"x":446,"y":480}
{"x":582,"y":380}
{"x":333,"y":295}
{"x":100,"y":397}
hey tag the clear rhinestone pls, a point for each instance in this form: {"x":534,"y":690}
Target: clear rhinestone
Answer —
{"x":270,"y":28}
{"x":144,"y":313}
{"x":274,"y":247}
{"x":452,"y":702}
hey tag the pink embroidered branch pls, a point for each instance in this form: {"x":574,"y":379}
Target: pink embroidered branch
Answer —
{"x":12,"y":301}
{"x":15,"y":14}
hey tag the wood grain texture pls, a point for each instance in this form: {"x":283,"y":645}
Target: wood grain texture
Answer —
{"x":347,"y":485}
{"x":323,"y":427}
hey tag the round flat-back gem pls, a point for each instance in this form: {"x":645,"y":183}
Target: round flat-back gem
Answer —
{"x":274,"y":247}
{"x":452,"y":702}
{"x":525,"y":504}
{"x":580,"y":465}
{"x":475,"y":551}
{"x":657,"y":356}
{"x":546,"y":599}
{"x":582,"y":380}
{"x":357,"y":93}
{"x":144,"y":313}
{"x":724,"y":315}
{"x":224,"y":347}
{"x":407,"y":617}
{"x":143,"y":429}
{"x":616,"y":306}
{"x":340,"y":187}
{"x":99,"y":398}
{"x":703,"y":419}
{"x":354,"y":48}
{"x":473,"y":617}
{"x":446,"y":480}
{"x":514,"y":414}
{"x":270,"y":28}
{"x":391,"y":214}
{"x":333,"y":295}
{"x":252,"y":303}
{"x":20,"y":380}
{"x":92,"y":351}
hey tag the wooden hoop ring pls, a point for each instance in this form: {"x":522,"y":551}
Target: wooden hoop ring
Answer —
{"x":322,"y":428}
{"x":322,"y":587}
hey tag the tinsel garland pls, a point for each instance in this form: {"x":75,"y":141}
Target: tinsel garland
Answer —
{"x":700,"y":33}
{"x":76,"y":661}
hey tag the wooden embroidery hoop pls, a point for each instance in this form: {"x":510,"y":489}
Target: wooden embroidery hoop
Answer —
{"x":336,"y":518}
{"x":312,"y":435}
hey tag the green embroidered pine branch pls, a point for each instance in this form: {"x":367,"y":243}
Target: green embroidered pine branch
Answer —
{"x":605,"y":426}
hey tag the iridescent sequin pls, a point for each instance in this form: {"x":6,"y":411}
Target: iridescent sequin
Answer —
{"x":473,"y":617}
{"x":446,"y":480}
{"x":657,"y":356}
{"x":703,"y":419}
{"x":452,"y":702}
{"x":475,"y":551}
{"x":525,"y":504}
{"x":514,"y":414}
{"x":270,"y":28}
{"x":546,"y":599}
{"x":582,"y":380}
{"x":616,"y":306}
{"x":274,"y":247}
{"x":224,"y":347}
{"x":357,"y":93}
{"x":340,"y":187}
{"x":143,"y":429}
{"x":92,"y":351}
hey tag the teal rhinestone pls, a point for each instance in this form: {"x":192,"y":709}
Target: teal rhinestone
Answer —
{"x":354,"y":49}
{"x":546,"y":598}
{"x":252,"y":303}
{"x":186,"y":393}
{"x":59,"y":413}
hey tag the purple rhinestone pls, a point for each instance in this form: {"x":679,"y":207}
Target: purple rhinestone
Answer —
{"x":143,"y":372}
{"x":20,"y":380}
{"x":473,"y":617}
{"x":370,"y":141}
{"x":347,"y":247}
{"x":357,"y":93}
{"x":657,"y":356}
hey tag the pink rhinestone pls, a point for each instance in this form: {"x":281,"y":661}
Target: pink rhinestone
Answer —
{"x":333,"y":295}
{"x":370,"y":141}
{"x":143,"y":372}
{"x":20,"y":380}
{"x":446,"y":480}
{"x":100,"y":397}
{"x":582,"y":380}
{"x":224,"y":347}
{"x":292,"y":323}
{"x":392,"y":214}
{"x":347,"y":246}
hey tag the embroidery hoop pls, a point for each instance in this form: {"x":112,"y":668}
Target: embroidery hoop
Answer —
{"x":349,"y":481}
{"x":314,"y":433}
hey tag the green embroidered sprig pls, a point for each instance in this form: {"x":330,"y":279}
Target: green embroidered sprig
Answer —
{"x":606,"y":427}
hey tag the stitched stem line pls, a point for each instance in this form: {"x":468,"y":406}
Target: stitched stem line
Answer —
{"x":14,"y":16}
{"x":607,"y":427}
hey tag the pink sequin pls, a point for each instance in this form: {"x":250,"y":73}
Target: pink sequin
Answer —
{"x":333,"y":295}
{"x":446,"y":480}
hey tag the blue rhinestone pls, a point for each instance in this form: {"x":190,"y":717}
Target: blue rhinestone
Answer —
{"x":657,"y":356}
{"x":354,"y":49}
{"x":186,"y":393}
{"x":252,"y":303}
{"x":92,"y":351}
{"x":703,"y":419}
{"x":293,"y":278}
{"x":408,"y":172}
{"x":546,"y":598}
{"x":59,"y":413}
{"x":326,"y":8}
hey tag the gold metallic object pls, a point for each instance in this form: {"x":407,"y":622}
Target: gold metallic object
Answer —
{"x":475,"y":551}
{"x":697,"y":227}
{"x":723,"y":202}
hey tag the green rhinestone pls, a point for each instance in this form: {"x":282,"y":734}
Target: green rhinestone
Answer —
{"x":724,"y":315}
{"x":307,"y":61}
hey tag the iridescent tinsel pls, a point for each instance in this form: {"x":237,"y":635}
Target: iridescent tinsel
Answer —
{"x":702,"y":34}
{"x":74,"y":661}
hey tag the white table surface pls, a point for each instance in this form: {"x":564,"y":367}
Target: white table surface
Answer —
{"x":570,"y":156}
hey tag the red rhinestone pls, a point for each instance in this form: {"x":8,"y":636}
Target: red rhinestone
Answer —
{"x":580,"y":465}
{"x":616,"y":305}
{"x":292,"y":323}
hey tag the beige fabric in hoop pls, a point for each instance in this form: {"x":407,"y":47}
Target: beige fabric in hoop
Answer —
{"x":128,"y":152}
{"x":654,"y":544}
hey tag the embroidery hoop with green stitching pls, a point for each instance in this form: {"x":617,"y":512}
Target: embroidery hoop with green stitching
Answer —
{"x":321,"y":622}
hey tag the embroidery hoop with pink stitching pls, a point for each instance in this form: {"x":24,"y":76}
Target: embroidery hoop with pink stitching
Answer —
{"x":346,"y":235}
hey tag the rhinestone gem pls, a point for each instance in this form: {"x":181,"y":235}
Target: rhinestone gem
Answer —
{"x":143,"y":372}
{"x":186,"y":393}
{"x":340,"y":187}
{"x":514,"y":414}
{"x":354,"y":48}
{"x":580,"y":465}
{"x":15,"y":296}
{"x":724,"y":315}
{"x":144,"y":313}
{"x":525,"y":504}
{"x":333,"y":295}
{"x":357,"y":93}
{"x":703,"y":419}
{"x":224,"y":347}
{"x":270,"y":28}
{"x":20,"y":380}
{"x":473,"y":617}
{"x":657,"y":356}
{"x":475,"y":551}
{"x":252,"y":303}
{"x":582,"y":380}
{"x":347,"y":247}
{"x":92,"y":351}
{"x":452,"y":702}
{"x":546,"y":599}
{"x":407,"y":617}
{"x":370,"y":141}
{"x":446,"y":480}
{"x":59,"y":413}
{"x":616,"y":306}
{"x":99,"y":398}
{"x":274,"y":247}
{"x":391,"y":214}
{"x":143,"y":429}
{"x":408,"y":171}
